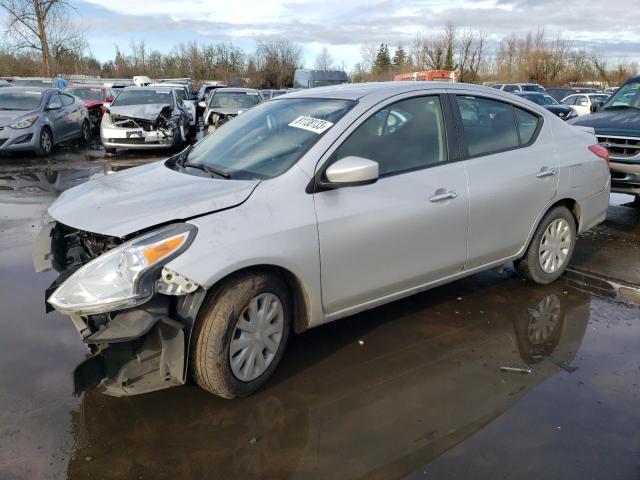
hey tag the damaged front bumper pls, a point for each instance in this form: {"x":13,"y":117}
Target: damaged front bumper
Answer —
{"x":132,"y":351}
{"x":136,"y":138}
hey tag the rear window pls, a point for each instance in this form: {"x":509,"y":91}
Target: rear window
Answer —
{"x":20,"y":100}
{"x":527,"y":125}
{"x":222,"y":99}
{"x":92,"y":94}
{"x":142,"y":97}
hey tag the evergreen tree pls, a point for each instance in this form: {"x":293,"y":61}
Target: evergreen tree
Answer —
{"x":399,"y":58}
{"x":383,"y":59}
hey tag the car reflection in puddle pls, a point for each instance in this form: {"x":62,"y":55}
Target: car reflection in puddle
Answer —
{"x":376,"y":395}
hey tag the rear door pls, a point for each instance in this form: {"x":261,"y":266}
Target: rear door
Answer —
{"x":512,"y":171}
{"x":407,"y":229}
{"x":73,"y":112}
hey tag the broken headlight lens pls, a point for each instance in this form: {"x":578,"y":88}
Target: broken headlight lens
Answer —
{"x":122,"y":277}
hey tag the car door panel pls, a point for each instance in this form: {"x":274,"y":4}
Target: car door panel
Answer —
{"x":383,"y":238}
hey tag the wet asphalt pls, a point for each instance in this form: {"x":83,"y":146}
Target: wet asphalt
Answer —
{"x":413,"y":389}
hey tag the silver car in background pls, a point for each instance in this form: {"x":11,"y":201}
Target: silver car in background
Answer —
{"x":37,"y":119}
{"x":226,"y":103}
{"x":143,"y":118}
{"x":306,"y":209}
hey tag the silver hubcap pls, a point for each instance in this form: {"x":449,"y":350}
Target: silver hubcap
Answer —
{"x":45,"y":141}
{"x":555,"y":245}
{"x":257,"y":336}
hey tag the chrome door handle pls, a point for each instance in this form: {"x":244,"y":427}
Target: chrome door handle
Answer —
{"x":441,"y":194}
{"x":546,"y":172}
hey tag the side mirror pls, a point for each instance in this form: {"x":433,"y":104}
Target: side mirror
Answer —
{"x":351,"y":172}
{"x":109,"y":100}
{"x":54,"y":106}
{"x":202,"y":104}
{"x":596,"y":106}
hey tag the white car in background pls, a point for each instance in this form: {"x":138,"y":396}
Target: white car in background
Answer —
{"x":182,"y":91}
{"x":581,"y":102}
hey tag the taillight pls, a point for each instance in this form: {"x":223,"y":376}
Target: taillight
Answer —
{"x":601,"y":151}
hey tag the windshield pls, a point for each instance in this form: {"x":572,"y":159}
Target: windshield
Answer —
{"x":627,"y":96}
{"x":93,"y":94}
{"x":224,"y":99}
{"x":541,"y":99}
{"x":20,"y":100}
{"x":146,"y":96}
{"x":268,"y":139}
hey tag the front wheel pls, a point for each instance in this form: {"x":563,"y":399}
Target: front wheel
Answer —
{"x":240,"y":335}
{"x":551,"y":247}
{"x":44,"y":146}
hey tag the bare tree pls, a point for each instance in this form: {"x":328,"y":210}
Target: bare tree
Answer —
{"x":324,"y":60}
{"x":470,"y":55}
{"x":41,"y":25}
{"x":276,"y":61}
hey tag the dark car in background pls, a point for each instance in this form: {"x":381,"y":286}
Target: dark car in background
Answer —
{"x":94,"y":98}
{"x":37,"y":119}
{"x":560,"y":93}
{"x":203,"y":95}
{"x":564,"y":112}
{"x":617,"y":123}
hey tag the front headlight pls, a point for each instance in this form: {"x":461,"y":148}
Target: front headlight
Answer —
{"x":122,"y":277}
{"x":572,"y":114}
{"x":24,"y":123}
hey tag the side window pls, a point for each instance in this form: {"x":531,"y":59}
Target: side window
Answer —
{"x":511,"y":88}
{"x":66,"y":100}
{"x":489,"y":125}
{"x":583,"y":101}
{"x":527,"y":125}
{"x":54,"y":99}
{"x":569,"y":100}
{"x":406,"y":135}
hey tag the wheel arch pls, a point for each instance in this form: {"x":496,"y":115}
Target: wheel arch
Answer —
{"x":301,"y":301}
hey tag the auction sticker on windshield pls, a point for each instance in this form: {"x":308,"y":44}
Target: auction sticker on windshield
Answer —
{"x":33,"y":93}
{"x":315,"y":125}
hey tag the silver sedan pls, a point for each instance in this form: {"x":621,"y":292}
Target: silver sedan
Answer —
{"x":37,"y":119}
{"x":306,"y":209}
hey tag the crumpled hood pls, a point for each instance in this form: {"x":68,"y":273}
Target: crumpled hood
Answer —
{"x":612,"y":122}
{"x":145,"y":112}
{"x":91,"y":103}
{"x":141,"y":197}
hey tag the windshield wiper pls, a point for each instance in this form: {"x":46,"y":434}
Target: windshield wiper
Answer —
{"x":209,"y":169}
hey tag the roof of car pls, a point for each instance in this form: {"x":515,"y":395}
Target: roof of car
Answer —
{"x":165,"y":87}
{"x":30,"y":89}
{"x":86,"y":85}
{"x":356,"y":91}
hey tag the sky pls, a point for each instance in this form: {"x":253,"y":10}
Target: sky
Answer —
{"x":343,"y":25}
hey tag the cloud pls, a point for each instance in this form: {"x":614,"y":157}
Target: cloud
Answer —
{"x":348,"y":24}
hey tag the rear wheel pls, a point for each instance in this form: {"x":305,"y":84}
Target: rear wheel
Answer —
{"x":177,"y":142}
{"x":551,"y":247}
{"x":45,"y":142}
{"x":240,"y":335}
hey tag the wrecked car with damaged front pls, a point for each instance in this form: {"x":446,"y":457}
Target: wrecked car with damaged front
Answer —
{"x":303,"y":210}
{"x":226,"y":103}
{"x":145,"y":117}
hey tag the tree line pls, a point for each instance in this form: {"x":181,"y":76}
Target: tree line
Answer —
{"x":44,"y":44}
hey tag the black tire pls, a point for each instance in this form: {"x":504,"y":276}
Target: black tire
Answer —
{"x":85,"y":132}
{"x":636,"y":201}
{"x":529,"y":266}
{"x":215,"y":325}
{"x":45,"y":142}
{"x":110,"y":151}
{"x":177,"y":143}
{"x":193,"y":130}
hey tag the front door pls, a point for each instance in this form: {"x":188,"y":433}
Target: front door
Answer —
{"x":407,"y":229}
